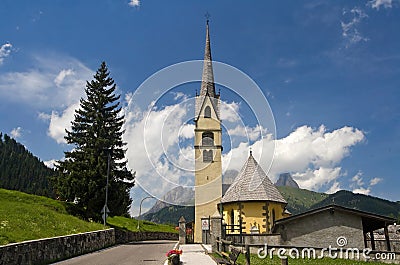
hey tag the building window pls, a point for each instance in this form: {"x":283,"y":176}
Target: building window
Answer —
{"x":207,"y":112}
{"x":232,"y":221}
{"x":273,"y":216}
{"x":207,"y":139}
{"x":207,"y":156}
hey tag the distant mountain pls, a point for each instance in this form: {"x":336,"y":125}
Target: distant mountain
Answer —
{"x":300,"y":200}
{"x":362,"y":202}
{"x":21,"y":170}
{"x":179,"y":195}
{"x":171,"y":214}
{"x":285,"y":179}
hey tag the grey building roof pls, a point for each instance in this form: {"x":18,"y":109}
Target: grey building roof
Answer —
{"x":371,"y":221}
{"x":252,"y":184}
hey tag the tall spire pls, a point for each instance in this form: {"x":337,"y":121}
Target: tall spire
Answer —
{"x":207,"y":80}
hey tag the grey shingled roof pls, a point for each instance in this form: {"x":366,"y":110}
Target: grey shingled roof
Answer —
{"x":252,"y":184}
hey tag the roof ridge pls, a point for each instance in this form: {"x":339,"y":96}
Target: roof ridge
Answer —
{"x":252,"y":184}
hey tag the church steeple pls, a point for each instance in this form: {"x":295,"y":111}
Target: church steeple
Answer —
{"x":207,"y":80}
{"x":207,"y":146}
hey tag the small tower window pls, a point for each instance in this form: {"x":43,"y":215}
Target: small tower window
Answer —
{"x":232,"y":221}
{"x":207,"y":156}
{"x":207,"y":139}
{"x":207,"y":112}
{"x":273,"y":216}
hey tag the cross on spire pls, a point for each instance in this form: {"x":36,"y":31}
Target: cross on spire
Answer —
{"x":207,"y":16}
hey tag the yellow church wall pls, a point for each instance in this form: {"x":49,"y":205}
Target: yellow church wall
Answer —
{"x":253,"y":213}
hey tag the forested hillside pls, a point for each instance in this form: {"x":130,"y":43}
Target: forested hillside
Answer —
{"x":22,"y":171}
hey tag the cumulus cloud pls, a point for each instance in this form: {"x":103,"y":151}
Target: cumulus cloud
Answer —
{"x":379,"y":3}
{"x":59,"y":122}
{"x":54,"y":88}
{"x":55,"y":83}
{"x":134,"y":3}
{"x":230,"y":111}
{"x":160,"y":147}
{"x":334,"y":188}
{"x":16,"y":133}
{"x":312,"y":155}
{"x":5,"y":51}
{"x":350,"y":30}
{"x":252,"y":134}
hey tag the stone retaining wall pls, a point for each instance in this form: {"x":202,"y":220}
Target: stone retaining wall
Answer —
{"x":48,"y":250}
{"x":123,"y":236}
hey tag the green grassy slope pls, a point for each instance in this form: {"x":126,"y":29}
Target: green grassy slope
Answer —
{"x":26,"y":217}
{"x":300,"y":200}
{"x":131,"y":225}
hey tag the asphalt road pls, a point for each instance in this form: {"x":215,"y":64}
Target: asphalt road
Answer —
{"x":135,"y":253}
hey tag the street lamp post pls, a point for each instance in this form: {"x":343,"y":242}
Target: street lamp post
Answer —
{"x":140,"y":209}
{"x":105,"y":210}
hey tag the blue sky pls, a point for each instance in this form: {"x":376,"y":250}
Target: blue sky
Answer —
{"x":329,"y":70}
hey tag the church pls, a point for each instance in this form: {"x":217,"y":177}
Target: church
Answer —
{"x":245,"y":207}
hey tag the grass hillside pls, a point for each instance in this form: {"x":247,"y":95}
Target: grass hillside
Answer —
{"x":26,"y":217}
{"x":300,"y":200}
{"x":131,"y":225}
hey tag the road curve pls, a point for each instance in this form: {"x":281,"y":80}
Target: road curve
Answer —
{"x":135,"y":253}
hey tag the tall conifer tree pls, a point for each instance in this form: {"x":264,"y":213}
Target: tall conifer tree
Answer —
{"x":96,"y":134}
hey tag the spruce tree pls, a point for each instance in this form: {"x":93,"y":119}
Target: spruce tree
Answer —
{"x":96,"y":136}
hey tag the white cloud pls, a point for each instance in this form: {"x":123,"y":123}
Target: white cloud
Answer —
{"x":358,"y":184}
{"x":54,"y":88}
{"x":55,"y":83}
{"x":62,"y":75}
{"x":358,"y":179}
{"x":60,"y":122}
{"x":252,"y":134}
{"x":362,"y":190}
{"x":230,"y":111}
{"x":350,"y":29}
{"x":5,"y":51}
{"x":334,"y":188}
{"x":50,"y":163}
{"x":134,"y":3}
{"x":16,"y":133}
{"x":187,"y":131}
{"x":160,"y":147}
{"x":375,"y":181}
{"x":315,"y":179}
{"x":312,"y":155}
{"x":378,"y":3}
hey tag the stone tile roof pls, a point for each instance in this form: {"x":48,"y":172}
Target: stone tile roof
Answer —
{"x":252,"y":184}
{"x":207,"y":83}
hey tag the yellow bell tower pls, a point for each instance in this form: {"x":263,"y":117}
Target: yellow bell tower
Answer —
{"x":207,"y":146}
